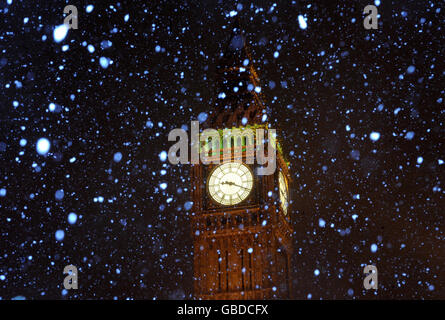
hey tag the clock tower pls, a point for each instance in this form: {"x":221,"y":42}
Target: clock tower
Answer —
{"x":241,"y":223}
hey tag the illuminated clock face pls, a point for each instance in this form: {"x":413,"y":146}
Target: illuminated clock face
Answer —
{"x":284,"y":199}
{"x":230,"y":183}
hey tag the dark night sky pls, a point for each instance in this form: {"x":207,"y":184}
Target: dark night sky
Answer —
{"x":330,"y":86}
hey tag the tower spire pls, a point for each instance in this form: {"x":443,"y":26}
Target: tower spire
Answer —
{"x":238,"y":97}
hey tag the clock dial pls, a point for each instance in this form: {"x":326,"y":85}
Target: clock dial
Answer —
{"x":230,"y":183}
{"x":284,"y":199}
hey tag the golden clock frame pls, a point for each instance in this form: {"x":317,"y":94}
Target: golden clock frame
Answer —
{"x":217,"y":205}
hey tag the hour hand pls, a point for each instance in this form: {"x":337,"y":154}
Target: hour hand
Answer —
{"x":233,"y":184}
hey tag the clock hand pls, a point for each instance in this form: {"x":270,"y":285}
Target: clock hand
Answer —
{"x":233,"y":184}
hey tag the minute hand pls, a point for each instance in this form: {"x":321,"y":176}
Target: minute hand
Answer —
{"x":233,"y":184}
